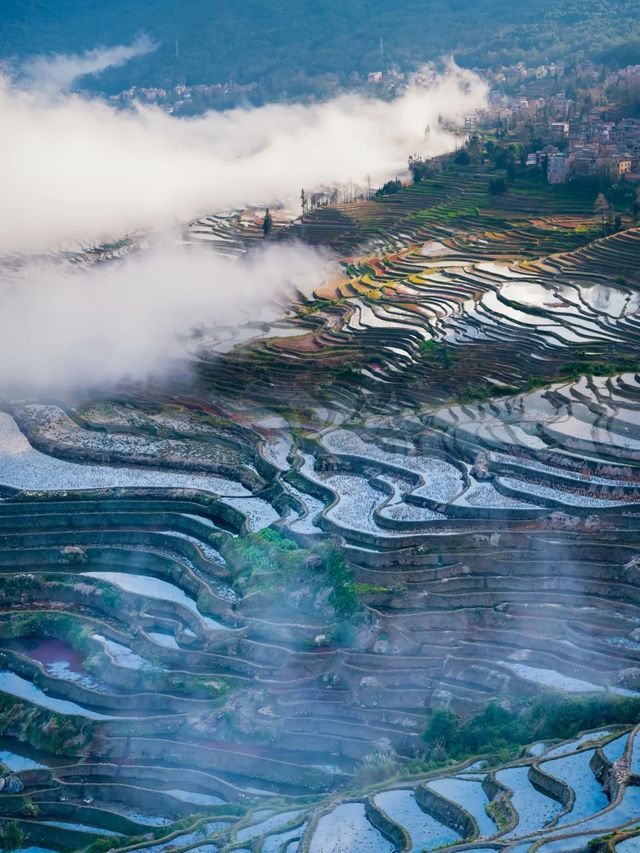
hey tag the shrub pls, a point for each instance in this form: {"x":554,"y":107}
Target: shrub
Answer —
{"x":11,"y":836}
{"x":375,"y":768}
{"x":390,"y":188}
{"x":437,"y":353}
{"x":443,"y":728}
{"x":551,"y":716}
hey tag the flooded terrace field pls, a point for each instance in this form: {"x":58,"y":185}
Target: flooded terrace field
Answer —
{"x":222,"y":603}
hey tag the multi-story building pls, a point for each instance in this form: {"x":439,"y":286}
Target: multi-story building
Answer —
{"x":557,"y":168}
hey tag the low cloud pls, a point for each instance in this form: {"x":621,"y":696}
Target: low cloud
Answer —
{"x":74,"y":168}
{"x":58,"y":72}
{"x":62,"y":330}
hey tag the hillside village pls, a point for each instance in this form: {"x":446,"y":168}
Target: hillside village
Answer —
{"x":589,"y":129}
{"x":579,"y":121}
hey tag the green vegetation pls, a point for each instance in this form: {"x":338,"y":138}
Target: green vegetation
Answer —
{"x":11,"y":836}
{"x":375,"y":768}
{"x":111,"y":597}
{"x":498,"y":730}
{"x":422,"y":170}
{"x":497,"y":812}
{"x":318,"y":305}
{"x":268,"y":562}
{"x":291,"y":48}
{"x":29,"y":808}
{"x":369,"y":589}
{"x":54,"y":733}
{"x":437,"y":353}
{"x":571,"y":370}
{"x":267,"y":223}
{"x":390,"y":188}
{"x":619,"y":364}
{"x":48,"y":624}
{"x":103,"y":845}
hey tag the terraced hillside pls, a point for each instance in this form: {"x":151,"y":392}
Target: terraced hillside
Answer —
{"x":230,"y":607}
{"x":456,"y":205}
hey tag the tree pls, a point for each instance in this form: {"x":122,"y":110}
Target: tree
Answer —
{"x":475,"y":147}
{"x":635,"y":206}
{"x":267,"y":223}
{"x":442,"y":729}
{"x":499,"y":156}
{"x":422,"y":169}
{"x":11,"y":836}
{"x":602,"y":209}
{"x":497,"y":186}
{"x":390,"y":188}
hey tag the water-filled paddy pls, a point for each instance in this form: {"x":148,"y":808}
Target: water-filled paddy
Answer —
{"x":268,"y":825}
{"x":628,"y":809}
{"x":635,"y":756}
{"x":614,"y":750}
{"x":629,"y":845}
{"x":193,"y":797}
{"x":573,"y":745}
{"x":23,"y":689}
{"x":34,"y":850}
{"x":273,"y":843}
{"x":16,"y":763}
{"x":136,"y":814}
{"x":59,"y":660}
{"x":23,"y":467}
{"x":152,"y":587}
{"x":186,"y":838}
{"x":471,"y":796}
{"x":576,"y":772}
{"x":257,"y":512}
{"x":347,"y":828}
{"x":205,"y":848}
{"x":534,"y":809}
{"x":165,"y":640}
{"x":122,"y":655}
{"x":80,"y":827}
{"x":425,"y":831}
{"x":551,"y":678}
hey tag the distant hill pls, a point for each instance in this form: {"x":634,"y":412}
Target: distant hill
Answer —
{"x":292,"y":47}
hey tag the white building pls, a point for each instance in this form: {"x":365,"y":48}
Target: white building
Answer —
{"x":557,"y":168}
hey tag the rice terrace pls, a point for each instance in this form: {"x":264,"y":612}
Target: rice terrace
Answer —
{"x":363,"y":572}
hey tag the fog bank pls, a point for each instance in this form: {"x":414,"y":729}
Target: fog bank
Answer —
{"x":73,"y":168}
{"x":64,"y":330}
{"x":56,"y":73}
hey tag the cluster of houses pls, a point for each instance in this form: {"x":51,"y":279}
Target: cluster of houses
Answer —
{"x":173,"y":99}
{"x":584,"y":73}
{"x":592,"y":148}
{"x":582,"y":141}
{"x":509,"y":111}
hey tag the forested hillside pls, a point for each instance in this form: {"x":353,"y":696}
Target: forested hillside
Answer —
{"x":296,"y":46}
